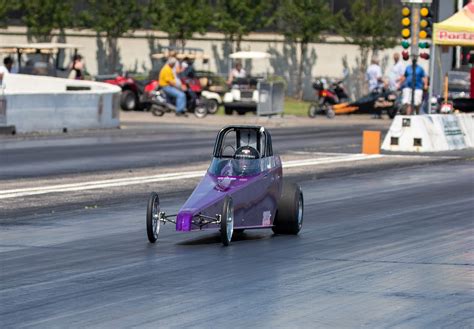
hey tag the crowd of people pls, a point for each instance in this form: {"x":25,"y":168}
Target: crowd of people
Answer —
{"x":400,"y":79}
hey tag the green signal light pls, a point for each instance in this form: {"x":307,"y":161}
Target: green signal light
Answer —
{"x":424,"y":45}
{"x":405,"y":44}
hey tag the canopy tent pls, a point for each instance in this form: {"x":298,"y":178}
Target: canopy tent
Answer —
{"x":457,"y":30}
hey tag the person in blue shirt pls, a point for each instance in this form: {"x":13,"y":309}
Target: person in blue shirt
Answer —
{"x":421,"y":83}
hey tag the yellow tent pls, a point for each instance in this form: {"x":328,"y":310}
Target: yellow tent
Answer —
{"x":457,"y":30}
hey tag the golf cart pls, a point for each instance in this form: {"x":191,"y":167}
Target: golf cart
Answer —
{"x":41,"y":58}
{"x":243,"y":95}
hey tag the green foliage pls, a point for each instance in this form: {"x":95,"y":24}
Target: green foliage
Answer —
{"x":5,"y":7}
{"x":305,"y":20}
{"x":112,"y":17}
{"x":43,"y":16}
{"x":237,"y":18}
{"x":371,"y":26}
{"x":180,"y":19}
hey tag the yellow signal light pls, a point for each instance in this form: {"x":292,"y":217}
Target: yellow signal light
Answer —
{"x":423,"y":34}
{"x":424,"y":23}
{"x":424,"y":12}
{"x":406,"y":33}
{"x":406,"y":21}
{"x":406,"y":11}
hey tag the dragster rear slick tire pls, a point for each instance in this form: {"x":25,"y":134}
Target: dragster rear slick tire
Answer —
{"x":152,"y":217}
{"x":227,"y":221}
{"x":289,"y":216}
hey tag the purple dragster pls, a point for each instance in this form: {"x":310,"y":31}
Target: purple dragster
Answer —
{"x":242,"y":189}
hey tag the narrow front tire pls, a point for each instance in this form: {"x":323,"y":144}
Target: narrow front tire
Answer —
{"x":227,"y":221}
{"x":153,"y":217}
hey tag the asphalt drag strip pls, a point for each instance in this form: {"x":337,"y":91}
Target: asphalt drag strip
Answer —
{"x":21,"y":197}
{"x":121,"y":182}
{"x":387,"y":248}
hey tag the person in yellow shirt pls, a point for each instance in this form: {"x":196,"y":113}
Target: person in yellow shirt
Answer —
{"x":168,"y":82}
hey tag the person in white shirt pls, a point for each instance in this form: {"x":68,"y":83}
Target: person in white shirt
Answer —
{"x":374,"y":75}
{"x":396,"y":73}
{"x":237,"y":72}
{"x":6,"y":68}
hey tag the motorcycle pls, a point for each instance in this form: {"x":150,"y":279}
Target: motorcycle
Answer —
{"x":328,"y":96}
{"x":160,"y":103}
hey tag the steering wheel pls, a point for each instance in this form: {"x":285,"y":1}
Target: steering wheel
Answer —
{"x":246,"y":152}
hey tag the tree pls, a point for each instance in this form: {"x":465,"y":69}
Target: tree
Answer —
{"x":5,"y":7}
{"x":371,"y":27}
{"x":113,"y":18}
{"x":43,"y":16}
{"x":304,"y":21}
{"x":180,"y":19}
{"x":237,"y":18}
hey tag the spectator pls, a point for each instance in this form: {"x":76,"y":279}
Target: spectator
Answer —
{"x":77,"y":67}
{"x":375,"y":80}
{"x":421,"y":83}
{"x":6,"y":68}
{"x":187,"y":68}
{"x":168,"y":81}
{"x":374,"y":75}
{"x":396,"y":73}
{"x":236,"y":73}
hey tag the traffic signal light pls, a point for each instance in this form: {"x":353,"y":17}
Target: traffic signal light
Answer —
{"x":406,"y":22}
{"x":425,"y":23}
{"x":425,"y":55}
{"x":424,"y":45}
{"x":405,"y":44}
{"x":405,"y":55}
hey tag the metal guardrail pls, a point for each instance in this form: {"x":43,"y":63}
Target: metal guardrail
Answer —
{"x":271,"y":98}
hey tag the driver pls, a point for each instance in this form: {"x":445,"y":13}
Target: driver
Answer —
{"x":236,"y":73}
{"x":246,"y":161}
{"x":167,"y":81}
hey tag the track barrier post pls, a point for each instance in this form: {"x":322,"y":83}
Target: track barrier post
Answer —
{"x":371,"y":142}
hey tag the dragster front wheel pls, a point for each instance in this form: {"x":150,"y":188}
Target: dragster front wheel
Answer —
{"x":227,"y":221}
{"x":153,"y":217}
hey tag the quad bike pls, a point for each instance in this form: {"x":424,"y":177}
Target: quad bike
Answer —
{"x":132,"y":90}
{"x":328,"y":96}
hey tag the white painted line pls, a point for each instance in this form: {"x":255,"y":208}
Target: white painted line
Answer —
{"x":119,"y":182}
{"x":336,"y":159}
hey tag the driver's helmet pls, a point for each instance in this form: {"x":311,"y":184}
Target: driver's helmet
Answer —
{"x":246,"y":161}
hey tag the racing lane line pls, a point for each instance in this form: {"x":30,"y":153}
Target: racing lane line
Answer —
{"x":118,"y":182}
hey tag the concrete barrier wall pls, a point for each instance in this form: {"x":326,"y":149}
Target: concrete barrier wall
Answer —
{"x":430,"y":133}
{"x":40,"y":104}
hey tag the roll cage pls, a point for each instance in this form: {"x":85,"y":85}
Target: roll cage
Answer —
{"x":238,"y":136}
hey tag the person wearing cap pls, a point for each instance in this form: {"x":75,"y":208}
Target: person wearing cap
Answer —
{"x":168,"y":82}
